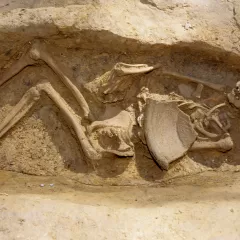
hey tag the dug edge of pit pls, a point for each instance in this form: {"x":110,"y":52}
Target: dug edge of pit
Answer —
{"x":107,"y":41}
{"x":20,"y":35}
{"x":197,"y":187}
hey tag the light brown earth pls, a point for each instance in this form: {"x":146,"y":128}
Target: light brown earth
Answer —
{"x":202,"y":209}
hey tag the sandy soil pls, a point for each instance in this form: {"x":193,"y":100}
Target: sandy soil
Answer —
{"x":207,"y":209}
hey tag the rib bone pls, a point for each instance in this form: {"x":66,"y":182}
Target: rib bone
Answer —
{"x":199,"y":127}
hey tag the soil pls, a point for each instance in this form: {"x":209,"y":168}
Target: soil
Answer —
{"x":187,"y":208}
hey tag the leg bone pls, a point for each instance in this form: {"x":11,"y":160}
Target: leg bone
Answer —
{"x":19,"y":111}
{"x":125,"y":69}
{"x":23,"y":62}
{"x":28,"y":101}
{"x":88,"y":150}
{"x":39,"y":52}
{"x":223,"y":145}
{"x":218,"y":87}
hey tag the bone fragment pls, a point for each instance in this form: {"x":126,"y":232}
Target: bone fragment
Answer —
{"x":19,"y":111}
{"x":37,"y":52}
{"x":23,"y":62}
{"x":125,"y":69}
{"x":198,"y":92}
{"x":223,"y":145}
{"x":215,"y":108}
{"x":199,"y":127}
{"x":218,"y":87}
{"x":28,"y":100}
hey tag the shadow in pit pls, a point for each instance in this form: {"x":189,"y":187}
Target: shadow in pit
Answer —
{"x":147,"y":168}
{"x":67,"y":144}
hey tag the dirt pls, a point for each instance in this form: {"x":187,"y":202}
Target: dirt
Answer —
{"x":204,"y":208}
{"x":7,"y":5}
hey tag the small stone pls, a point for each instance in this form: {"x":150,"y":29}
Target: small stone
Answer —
{"x":188,"y":26}
{"x":42,"y":185}
{"x":51,"y":184}
{"x":232,"y":210}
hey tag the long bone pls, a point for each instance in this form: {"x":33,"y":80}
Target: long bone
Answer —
{"x":218,"y":87}
{"x":39,"y":52}
{"x":28,"y":100}
{"x":121,"y":69}
{"x":19,"y":111}
{"x":198,"y":92}
{"x":24,"y":61}
{"x":222,"y":145}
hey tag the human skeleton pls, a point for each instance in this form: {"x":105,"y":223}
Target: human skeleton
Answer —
{"x":95,"y":139}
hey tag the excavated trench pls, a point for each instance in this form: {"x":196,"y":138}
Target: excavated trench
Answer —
{"x":42,"y":143}
{"x":42,"y":164}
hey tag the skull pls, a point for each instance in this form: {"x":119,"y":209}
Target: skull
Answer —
{"x":234,"y":95}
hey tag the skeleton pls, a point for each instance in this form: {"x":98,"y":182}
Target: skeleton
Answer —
{"x":173,"y":126}
{"x":96,"y":139}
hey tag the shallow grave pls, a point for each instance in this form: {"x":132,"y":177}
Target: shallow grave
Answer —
{"x":102,"y":97}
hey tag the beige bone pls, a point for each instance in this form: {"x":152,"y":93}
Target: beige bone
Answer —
{"x":39,"y":52}
{"x":218,"y":87}
{"x":198,"y":92}
{"x":223,"y":145}
{"x":32,"y":96}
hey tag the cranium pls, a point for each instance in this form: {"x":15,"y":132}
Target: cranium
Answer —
{"x":234,"y":95}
